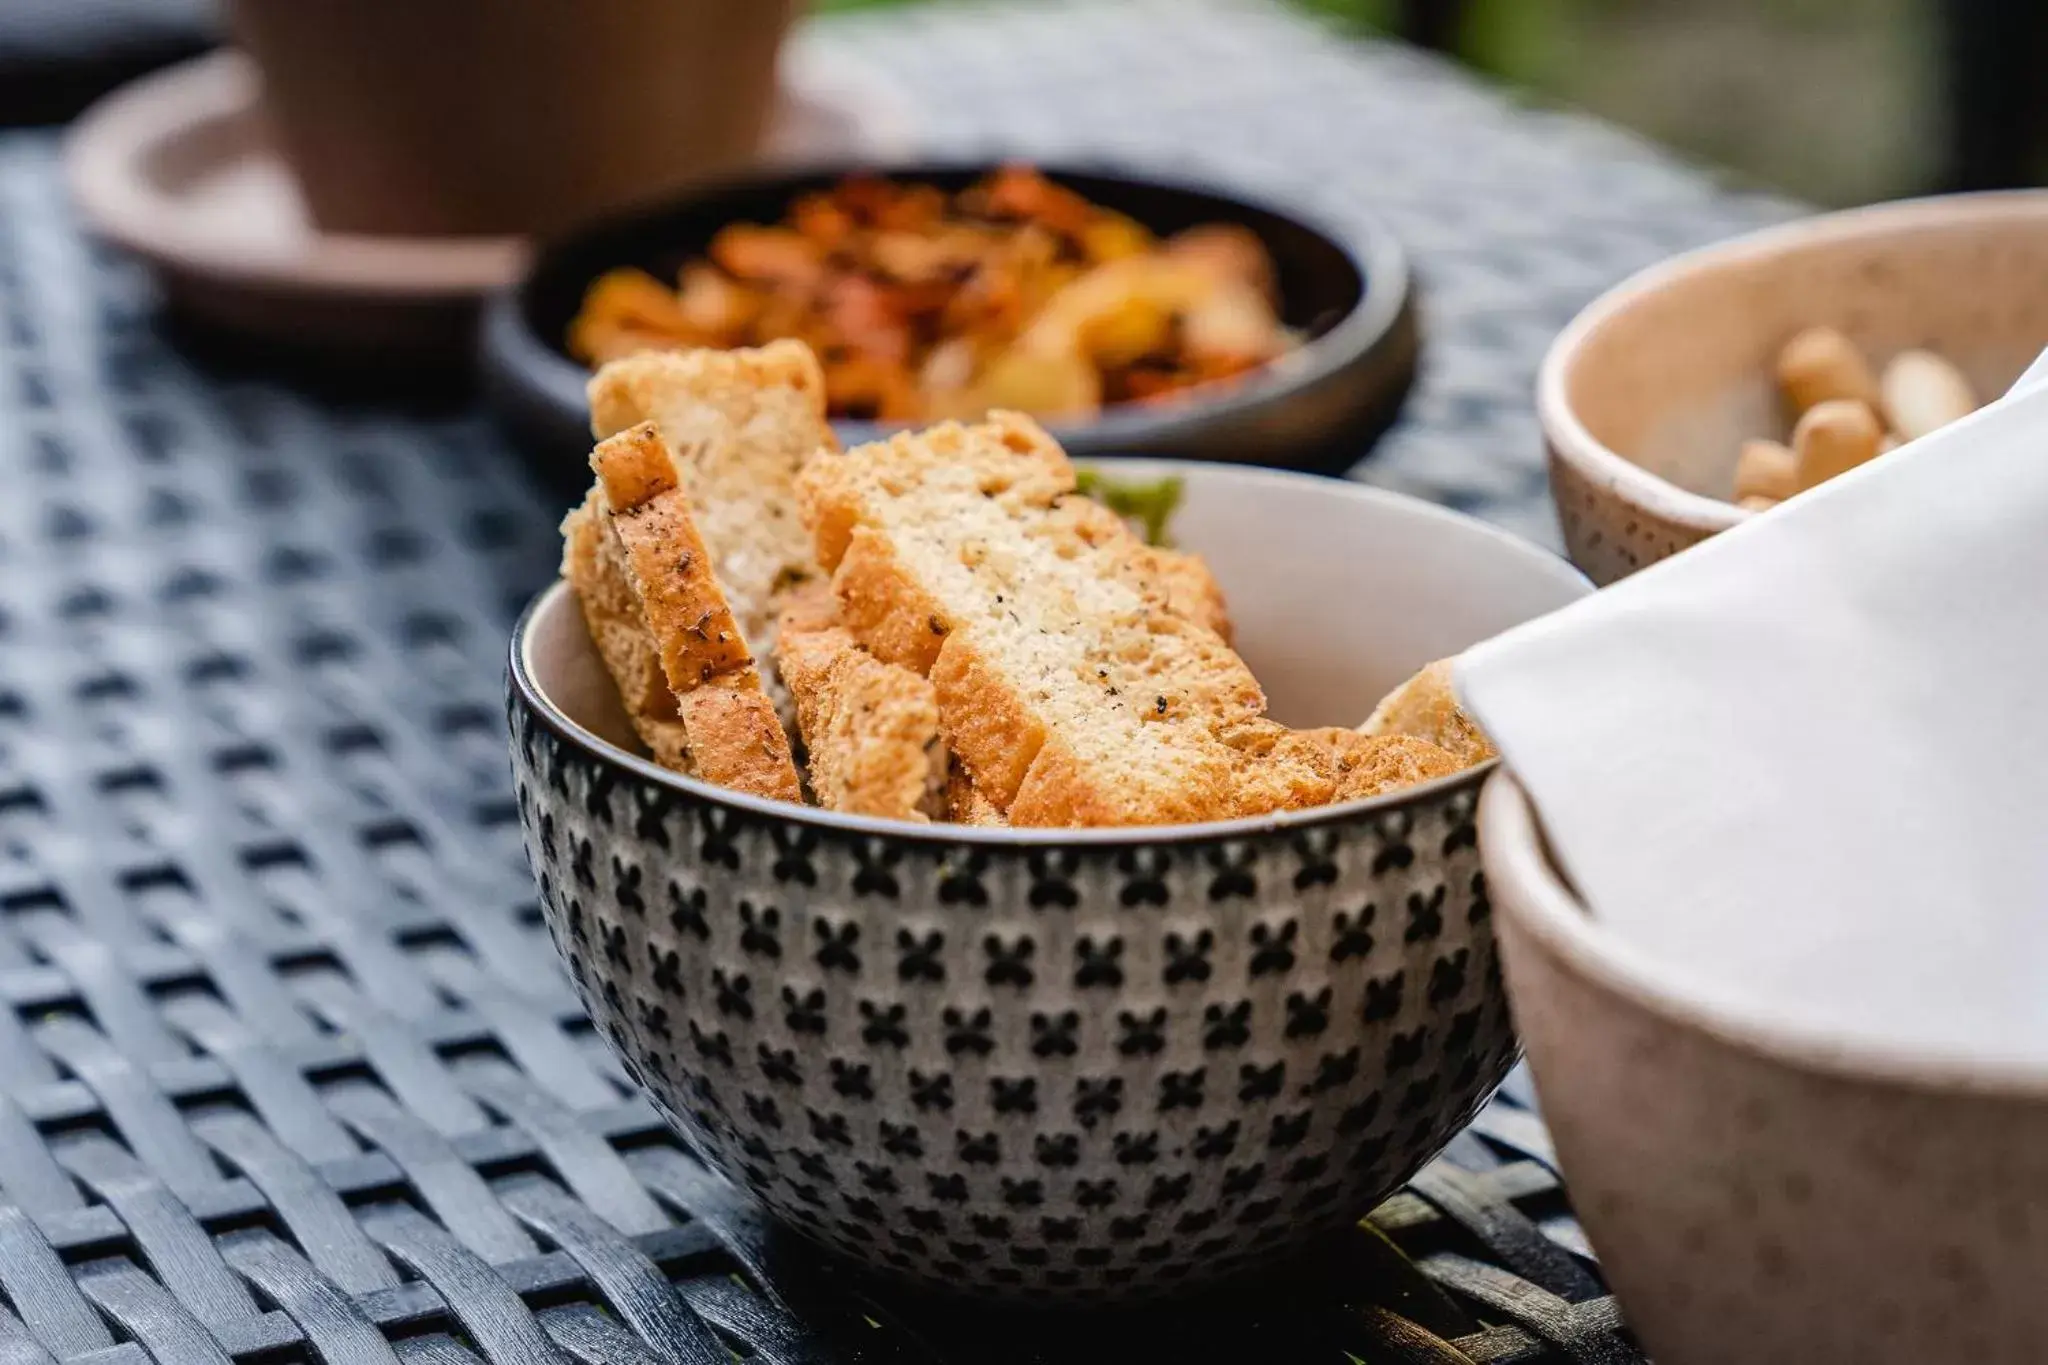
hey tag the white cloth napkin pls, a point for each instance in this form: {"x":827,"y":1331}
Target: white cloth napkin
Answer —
{"x":1805,"y":765}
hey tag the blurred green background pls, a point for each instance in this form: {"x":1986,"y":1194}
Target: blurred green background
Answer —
{"x":1833,"y":100}
{"x":1837,"y":101}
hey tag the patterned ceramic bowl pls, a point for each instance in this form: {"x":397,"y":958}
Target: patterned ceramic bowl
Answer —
{"x":1758,"y":1190}
{"x":1647,"y":397}
{"x":1061,"y":1064}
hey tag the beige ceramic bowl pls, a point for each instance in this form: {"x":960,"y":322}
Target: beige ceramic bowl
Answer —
{"x":1761,"y":1197}
{"x":1647,"y":396}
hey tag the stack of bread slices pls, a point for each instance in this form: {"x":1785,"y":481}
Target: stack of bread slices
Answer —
{"x":938,"y":624}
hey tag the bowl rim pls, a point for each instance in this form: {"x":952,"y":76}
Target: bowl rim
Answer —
{"x":529,"y":694}
{"x":511,"y":347}
{"x":1517,"y":854}
{"x":1577,"y":446}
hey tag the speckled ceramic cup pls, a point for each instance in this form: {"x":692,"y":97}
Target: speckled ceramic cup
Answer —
{"x":1762,"y":1196}
{"x":1647,"y":396}
{"x":1061,"y":1064}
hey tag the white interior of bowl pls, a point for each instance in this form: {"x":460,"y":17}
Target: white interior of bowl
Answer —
{"x":1338,"y":592}
{"x":1673,"y":370}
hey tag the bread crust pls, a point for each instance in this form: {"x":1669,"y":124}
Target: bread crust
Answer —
{"x":738,"y":426}
{"x":640,"y":387}
{"x":983,"y":717}
{"x":965,"y":805}
{"x":1079,"y":676}
{"x":884,"y":605}
{"x":870,"y":729}
{"x":666,"y":561}
{"x":1185,"y":587}
{"x":668,"y":744}
{"x":1370,"y":765}
{"x":736,"y":739}
{"x":733,"y":735}
{"x":592,"y":563}
{"x":1426,"y":708}
{"x":1391,"y":762}
{"x":1284,"y":769}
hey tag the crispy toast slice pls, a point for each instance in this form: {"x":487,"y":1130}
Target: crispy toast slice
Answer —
{"x":1069,"y":685}
{"x":1426,"y":708}
{"x":740,"y":424}
{"x":734,"y":737}
{"x":1373,"y":765}
{"x":1386,"y":763}
{"x":870,"y":729}
{"x":592,"y":562}
{"x":1186,"y":587}
{"x":964,"y":804}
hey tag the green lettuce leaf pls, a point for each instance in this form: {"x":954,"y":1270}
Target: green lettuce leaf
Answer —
{"x":1149,"y":503}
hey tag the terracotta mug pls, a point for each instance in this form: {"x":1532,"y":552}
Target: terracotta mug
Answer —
{"x":485,"y":117}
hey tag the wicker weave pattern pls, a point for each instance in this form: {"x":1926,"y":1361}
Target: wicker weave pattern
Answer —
{"x":288,"y":1069}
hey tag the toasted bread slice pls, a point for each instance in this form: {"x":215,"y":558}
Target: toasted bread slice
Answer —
{"x":1372,"y":765}
{"x":736,"y":739}
{"x":1390,"y":762}
{"x":1068,"y":684}
{"x":734,"y":736}
{"x":592,"y":563}
{"x":965,"y":805}
{"x":1186,"y":587}
{"x":695,"y":636}
{"x":870,"y":729}
{"x":1426,"y":708}
{"x":740,"y":424}
{"x":808,"y":609}
{"x":1283,"y":769}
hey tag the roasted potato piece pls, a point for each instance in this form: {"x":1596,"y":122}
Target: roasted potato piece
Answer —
{"x":629,"y":310}
{"x":1231,"y":250}
{"x":768,"y":255}
{"x":1055,"y":382}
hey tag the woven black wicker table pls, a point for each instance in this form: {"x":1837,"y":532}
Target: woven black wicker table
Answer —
{"x":288,"y":1070}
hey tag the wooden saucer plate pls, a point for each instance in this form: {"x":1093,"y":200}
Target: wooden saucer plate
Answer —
{"x":180,"y":169}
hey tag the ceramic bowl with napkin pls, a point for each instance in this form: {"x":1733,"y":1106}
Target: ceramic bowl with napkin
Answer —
{"x":1774,"y":879}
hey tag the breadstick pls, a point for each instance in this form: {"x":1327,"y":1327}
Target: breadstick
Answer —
{"x":1833,"y":438}
{"x":1766,"y":469}
{"x":1820,"y":365}
{"x":1922,"y":392}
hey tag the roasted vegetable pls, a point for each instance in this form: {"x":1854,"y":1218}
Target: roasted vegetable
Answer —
{"x":1013,"y":293}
